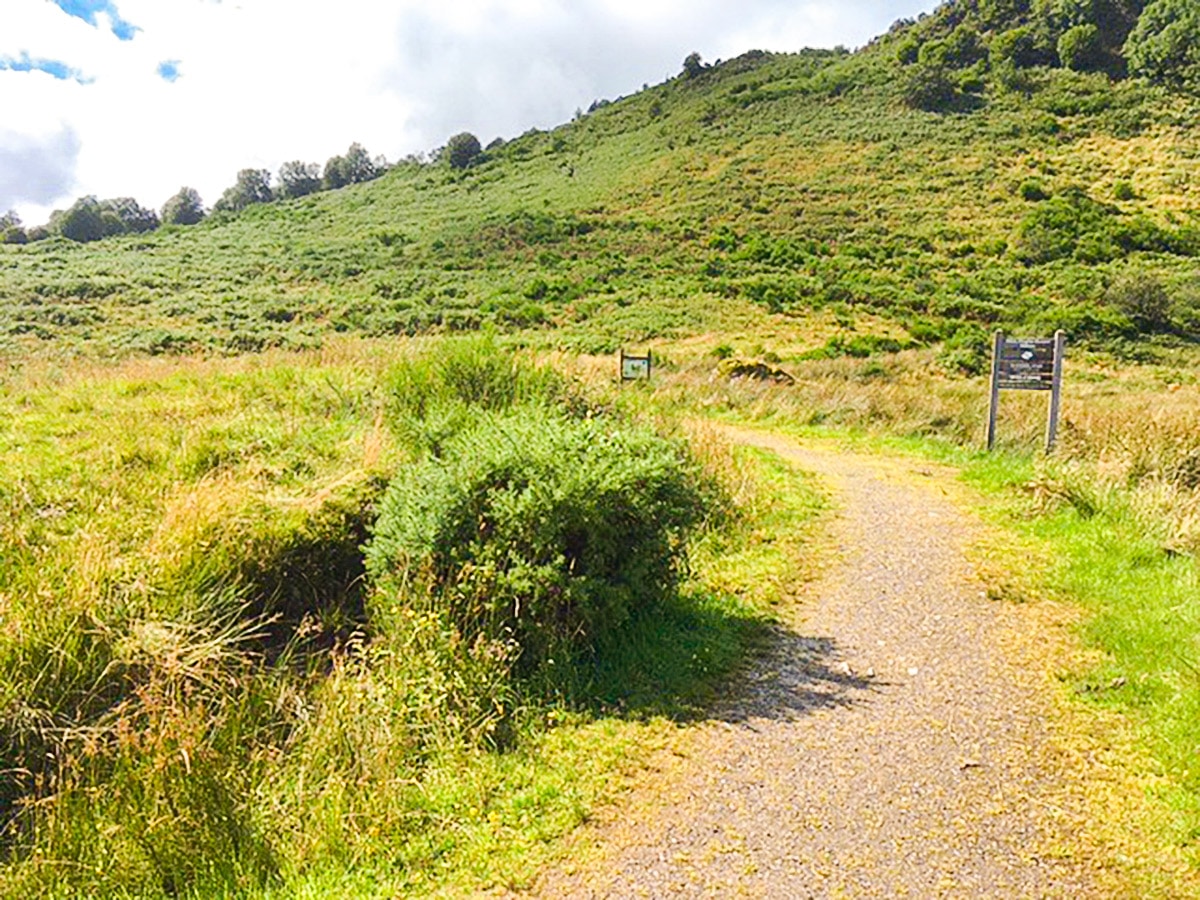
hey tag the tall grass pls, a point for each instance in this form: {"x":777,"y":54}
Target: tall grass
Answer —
{"x":204,"y":693}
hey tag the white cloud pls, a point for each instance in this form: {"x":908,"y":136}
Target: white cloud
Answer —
{"x":264,"y":81}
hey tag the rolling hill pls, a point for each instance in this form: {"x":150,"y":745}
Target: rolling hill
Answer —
{"x":952,"y":176}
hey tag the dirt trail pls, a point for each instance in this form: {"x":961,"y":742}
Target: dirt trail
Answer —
{"x":893,"y":745}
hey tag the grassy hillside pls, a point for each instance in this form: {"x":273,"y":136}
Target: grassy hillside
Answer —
{"x":782,"y":182}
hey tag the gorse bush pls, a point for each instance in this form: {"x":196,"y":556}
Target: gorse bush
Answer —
{"x":539,"y":529}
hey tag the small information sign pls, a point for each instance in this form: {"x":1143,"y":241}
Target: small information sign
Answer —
{"x":635,"y":368}
{"x":1027,"y":364}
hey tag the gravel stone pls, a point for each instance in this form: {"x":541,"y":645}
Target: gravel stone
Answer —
{"x":887,"y":746}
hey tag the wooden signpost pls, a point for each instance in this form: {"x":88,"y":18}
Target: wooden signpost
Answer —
{"x":635,"y":368}
{"x":1027,"y":364}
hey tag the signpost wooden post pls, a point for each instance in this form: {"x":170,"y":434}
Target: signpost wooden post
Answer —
{"x":1027,"y":364}
{"x":635,"y":368}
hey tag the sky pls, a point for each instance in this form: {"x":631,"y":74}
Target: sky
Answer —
{"x":137,"y":98}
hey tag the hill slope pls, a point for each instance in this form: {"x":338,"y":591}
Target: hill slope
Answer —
{"x":1036,"y":196}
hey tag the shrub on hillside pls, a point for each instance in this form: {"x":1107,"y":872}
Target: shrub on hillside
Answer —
{"x":1142,"y":298}
{"x":1079,"y":48}
{"x":929,"y":88}
{"x":967,"y":351}
{"x":1033,"y":190}
{"x":539,"y":530}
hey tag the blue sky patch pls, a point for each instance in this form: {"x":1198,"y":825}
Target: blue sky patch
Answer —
{"x":55,"y":67}
{"x":87,"y":9}
{"x":168,"y":70}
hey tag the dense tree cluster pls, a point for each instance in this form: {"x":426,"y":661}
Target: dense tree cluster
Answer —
{"x":11,"y":231}
{"x":90,"y":219}
{"x":948,"y":56}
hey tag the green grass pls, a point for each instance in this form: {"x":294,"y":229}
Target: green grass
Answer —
{"x":203,"y":698}
{"x":1141,"y":614}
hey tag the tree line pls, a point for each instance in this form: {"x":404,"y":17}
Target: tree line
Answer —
{"x":92,"y":219}
{"x":948,"y":54}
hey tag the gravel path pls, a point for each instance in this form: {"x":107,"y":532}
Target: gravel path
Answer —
{"x":888,"y":747}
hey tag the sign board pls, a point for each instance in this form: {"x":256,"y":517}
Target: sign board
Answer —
{"x":635,"y":368}
{"x":1027,"y":364}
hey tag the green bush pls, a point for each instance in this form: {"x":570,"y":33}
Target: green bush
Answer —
{"x":540,"y":530}
{"x":1079,"y":48}
{"x":1032,"y":190}
{"x":967,"y":351}
{"x":1143,"y":299}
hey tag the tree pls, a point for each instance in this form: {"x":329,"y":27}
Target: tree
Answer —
{"x":1164,"y":46}
{"x":361,"y":167}
{"x":692,"y":65}
{"x":299,"y":179}
{"x":1079,"y":48}
{"x":83,"y":222}
{"x":125,"y":216}
{"x":355,"y":167}
{"x":462,"y":150}
{"x":1022,"y":47}
{"x":184,"y":208}
{"x":252,"y":186}
{"x":11,"y":231}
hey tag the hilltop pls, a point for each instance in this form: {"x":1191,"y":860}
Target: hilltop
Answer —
{"x":985,"y":166}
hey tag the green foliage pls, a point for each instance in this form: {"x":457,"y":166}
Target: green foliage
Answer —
{"x":11,"y":231}
{"x":1123,"y":190}
{"x":1165,"y":44}
{"x":534,"y":528}
{"x":1033,"y":190}
{"x":299,"y":179}
{"x":185,"y":208}
{"x":860,"y":346}
{"x":692,"y":66}
{"x":1142,"y":298}
{"x":355,"y":167}
{"x":964,"y":47}
{"x":462,"y":150}
{"x":83,"y":222}
{"x":252,"y":186}
{"x":1073,"y":225}
{"x":472,"y":372}
{"x":929,"y":87}
{"x":1021,"y":47}
{"x":967,"y":352}
{"x":1079,"y":48}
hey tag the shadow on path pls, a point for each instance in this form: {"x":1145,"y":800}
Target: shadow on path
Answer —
{"x":794,"y":676}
